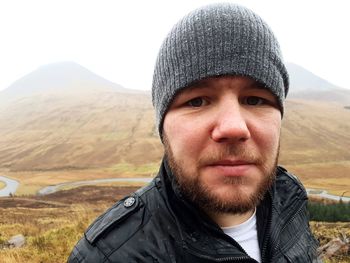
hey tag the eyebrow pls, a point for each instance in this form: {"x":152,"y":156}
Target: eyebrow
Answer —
{"x":203,"y":84}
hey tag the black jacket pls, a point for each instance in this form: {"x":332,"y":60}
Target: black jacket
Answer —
{"x":156,"y":224}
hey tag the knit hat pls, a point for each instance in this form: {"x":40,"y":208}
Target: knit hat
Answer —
{"x":215,"y":40}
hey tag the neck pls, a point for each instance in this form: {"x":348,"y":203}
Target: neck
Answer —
{"x":228,"y":220}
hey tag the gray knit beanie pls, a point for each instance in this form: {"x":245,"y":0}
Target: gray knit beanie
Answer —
{"x":215,"y":40}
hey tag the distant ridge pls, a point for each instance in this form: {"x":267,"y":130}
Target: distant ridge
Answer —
{"x":71,"y":78}
{"x":308,"y":86}
{"x":302,"y":80}
{"x":61,"y":77}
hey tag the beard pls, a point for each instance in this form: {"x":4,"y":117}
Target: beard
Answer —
{"x":235,"y":201}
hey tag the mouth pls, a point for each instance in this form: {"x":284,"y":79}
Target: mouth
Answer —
{"x":228,"y":162}
{"x":231,"y":168}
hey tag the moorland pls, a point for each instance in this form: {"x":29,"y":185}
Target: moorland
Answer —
{"x":52,"y":224}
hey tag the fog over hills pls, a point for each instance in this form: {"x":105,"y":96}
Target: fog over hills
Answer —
{"x":62,"y":77}
{"x":63,"y":116}
{"x":70,"y":78}
{"x":302,"y":80}
{"x":306,"y":85}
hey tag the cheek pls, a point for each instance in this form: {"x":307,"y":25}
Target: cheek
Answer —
{"x":185,"y":137}
{"x":266,"y":131}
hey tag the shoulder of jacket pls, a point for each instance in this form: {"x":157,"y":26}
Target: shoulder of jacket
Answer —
{"x":117,"y":214}
{"x":286,"y":177}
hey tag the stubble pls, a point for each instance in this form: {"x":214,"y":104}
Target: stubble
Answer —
{"x":205,"y":198}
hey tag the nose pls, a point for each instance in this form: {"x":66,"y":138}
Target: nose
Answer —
{"x":230,"y":124}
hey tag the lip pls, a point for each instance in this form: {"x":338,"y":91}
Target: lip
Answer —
{"x":230,"y":168}
{"x":228,"y":162}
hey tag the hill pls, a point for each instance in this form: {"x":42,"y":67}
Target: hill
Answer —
{"x":308,"y":86}
{"x":97,"y":130}
{"x":62,"y":77}
{"x":112,"y":130}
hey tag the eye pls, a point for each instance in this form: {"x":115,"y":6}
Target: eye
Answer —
{"x":253,"y":100}
{"x":197,"y":102}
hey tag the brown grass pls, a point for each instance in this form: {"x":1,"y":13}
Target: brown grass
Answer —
{"x":325,"y":232}
{"x":331,"y":176}
{"x":53,"y":224}
{"x":315,"y":144}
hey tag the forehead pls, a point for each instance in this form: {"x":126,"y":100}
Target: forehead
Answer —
{"x":241,"y":82}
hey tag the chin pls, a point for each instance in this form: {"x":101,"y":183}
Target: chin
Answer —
{"x":229,"y":199}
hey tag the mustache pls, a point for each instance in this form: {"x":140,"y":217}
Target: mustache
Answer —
{"x":230,"y":153}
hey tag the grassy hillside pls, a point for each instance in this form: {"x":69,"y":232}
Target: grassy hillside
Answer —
{"x":315,"y":144}
{"x":52,"y":224}
{"x":90,"y":131}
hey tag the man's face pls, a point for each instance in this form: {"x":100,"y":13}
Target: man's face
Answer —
{"x":221,"y":139}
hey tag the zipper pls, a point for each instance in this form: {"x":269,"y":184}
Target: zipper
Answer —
{"x":295,"y":214}
{"x":267,"y":237}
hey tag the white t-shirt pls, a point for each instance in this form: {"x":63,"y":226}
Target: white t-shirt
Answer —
{"x":247,"y":236}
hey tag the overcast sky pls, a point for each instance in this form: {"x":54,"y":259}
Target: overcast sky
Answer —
{"x":119,"y":39}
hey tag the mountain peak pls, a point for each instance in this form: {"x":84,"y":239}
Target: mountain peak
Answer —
{"x":308,"y":86}
{"x":60,"y":77}
{"x":302,"y":80}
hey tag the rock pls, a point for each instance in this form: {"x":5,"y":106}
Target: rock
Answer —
{"x":334,"y":247}
{"x":16,"y":241}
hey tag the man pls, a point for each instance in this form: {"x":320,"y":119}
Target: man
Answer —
{"x":218,"y":90}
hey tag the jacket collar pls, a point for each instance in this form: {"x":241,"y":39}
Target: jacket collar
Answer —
{"x":200,"y":234}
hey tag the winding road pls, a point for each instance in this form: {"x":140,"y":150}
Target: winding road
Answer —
{"x":12,"y":185}
{"x":10,"y":188}
{"x":54,"y":188}
{"x":324,"y":194}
